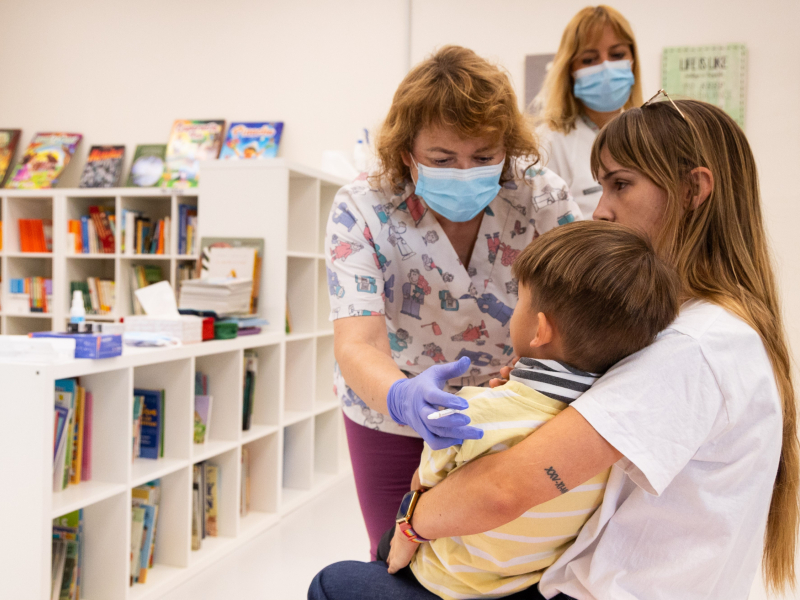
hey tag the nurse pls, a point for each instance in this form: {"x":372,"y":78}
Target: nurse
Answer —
{"x":419,"y":255}
{"x":594,"y":76}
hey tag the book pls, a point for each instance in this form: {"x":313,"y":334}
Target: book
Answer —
{"x":211,"y":480}
{"x":138,"y":404}
{"x":35,"y":235}
{"x":103,"y":167}
{"x":148,"y":497}
{"x":252,"y":140}
{"x":77,"y":443}
{"x":202,"y":418}
{"x":187,"y":228}
{"x":200,"y":384}
{"x":67,"y":560}
{"x":101,"y":217}
{"x":66,"y":392}
{"x":189,"y":143}
{"x":250,"y":372}
{"x":99,"y":295}
{"x":44,"y":160}
{"x":207,"y":267}
{"x":9,"y":139}
{"x":147,"y":167}
{"x":151,"y":434}
{"x":142,"y":276}
{"x":197,"y":504}
{"x":86,"y":464}
{"x":137,"y":531}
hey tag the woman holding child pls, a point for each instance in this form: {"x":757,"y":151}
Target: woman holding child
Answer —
{"x":698,"y":428}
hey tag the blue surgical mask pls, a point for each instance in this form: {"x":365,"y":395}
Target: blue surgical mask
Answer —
{"x":605,"y":87}
{"x":458,"y":194}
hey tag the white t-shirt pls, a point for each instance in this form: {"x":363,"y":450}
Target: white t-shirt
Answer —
{"x":569,"y":157}
{"x":697,"y":417}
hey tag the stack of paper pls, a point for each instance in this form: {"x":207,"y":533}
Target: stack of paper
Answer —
{"x":223,"y":295}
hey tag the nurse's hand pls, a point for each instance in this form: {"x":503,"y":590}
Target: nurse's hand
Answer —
{"x":505,"y":372}
{"x":410,"y":401}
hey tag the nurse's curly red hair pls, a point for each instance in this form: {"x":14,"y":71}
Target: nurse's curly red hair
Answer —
{"x":456,"y":89}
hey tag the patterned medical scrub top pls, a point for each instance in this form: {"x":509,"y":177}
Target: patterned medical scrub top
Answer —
{"x":388,"y":255}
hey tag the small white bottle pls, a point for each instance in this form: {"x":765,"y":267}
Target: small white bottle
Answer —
{"x":77,"y":312}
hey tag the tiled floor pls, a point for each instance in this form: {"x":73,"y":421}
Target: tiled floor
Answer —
{"x":280,"y":563}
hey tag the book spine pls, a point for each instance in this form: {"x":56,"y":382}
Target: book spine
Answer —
{"x":86,"y":464}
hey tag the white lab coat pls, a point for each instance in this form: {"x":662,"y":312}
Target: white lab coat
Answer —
{"x":569,"y":155}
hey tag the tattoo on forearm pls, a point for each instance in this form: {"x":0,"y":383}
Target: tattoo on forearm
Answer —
{"x":553,"y":475}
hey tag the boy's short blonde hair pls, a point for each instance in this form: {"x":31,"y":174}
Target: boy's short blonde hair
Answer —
{"x":603,"y":287}
{"x":456,"y":89}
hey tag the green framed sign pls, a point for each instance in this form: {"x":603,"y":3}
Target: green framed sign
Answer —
{"x":714,"y":74}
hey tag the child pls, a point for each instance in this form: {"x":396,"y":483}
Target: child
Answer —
{"x":590,"y":294}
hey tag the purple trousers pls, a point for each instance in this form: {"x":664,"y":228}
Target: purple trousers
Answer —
{"x":383,"y":465}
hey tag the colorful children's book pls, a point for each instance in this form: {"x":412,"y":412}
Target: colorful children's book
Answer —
{"x":252,"y":140}
{"x":103,"y":167}
{"x":9,"y":138}
{"x":147,"y":167}
{"x":137,"y":531}
{"x":44,"y":160}
{"x":189,"y":143}
{"x":86,"y":466}
{"x":197,"y":508}
{"x":202,"y":418}
{"x":67,"y":564}
{"x":211,"y":480}
{"x":152,"y":425}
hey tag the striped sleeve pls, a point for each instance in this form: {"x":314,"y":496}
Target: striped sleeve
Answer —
{"x":436,"y":464}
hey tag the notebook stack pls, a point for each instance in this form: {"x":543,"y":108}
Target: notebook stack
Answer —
{"x":225,"y":296}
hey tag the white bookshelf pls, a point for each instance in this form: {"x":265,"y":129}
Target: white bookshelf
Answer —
{"x":296,"y":442}
{"x":63,"y":266}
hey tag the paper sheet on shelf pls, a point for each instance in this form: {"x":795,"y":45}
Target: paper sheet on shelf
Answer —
{"x":158,"y":300}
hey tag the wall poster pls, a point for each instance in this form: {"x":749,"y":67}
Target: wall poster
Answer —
{"x":714,"y":74}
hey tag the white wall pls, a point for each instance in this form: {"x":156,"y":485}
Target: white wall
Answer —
{"x":121,"y":72}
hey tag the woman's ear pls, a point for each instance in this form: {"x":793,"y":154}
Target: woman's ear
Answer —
{"x":404,"y":154}
{"x":702,"y":185}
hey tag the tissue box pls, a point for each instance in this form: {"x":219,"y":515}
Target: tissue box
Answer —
{"x":188,"y":329}
{"x":88,"y":345}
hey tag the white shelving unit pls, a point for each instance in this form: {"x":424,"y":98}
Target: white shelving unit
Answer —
{"x":296,"y":442}
{"x":63,"y":266}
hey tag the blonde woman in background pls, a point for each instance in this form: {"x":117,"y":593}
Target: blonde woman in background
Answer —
{"x":594,"y":76}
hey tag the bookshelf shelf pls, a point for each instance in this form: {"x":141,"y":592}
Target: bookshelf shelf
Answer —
{"x":82,"y":495}
{"x":295,"y":444}
{"x":145,"y":469}
{"x":211,"y":449}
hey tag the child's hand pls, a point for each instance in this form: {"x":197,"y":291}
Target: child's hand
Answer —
{"x":401,"y":552}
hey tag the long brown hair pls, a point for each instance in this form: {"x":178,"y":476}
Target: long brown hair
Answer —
{"x":719,"y":249}
{"x":556,"y":105}
{"x":457,"y":89}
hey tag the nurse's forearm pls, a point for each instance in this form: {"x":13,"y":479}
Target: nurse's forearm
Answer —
{"x":494,"y":490}
{"x":370,"y":373}
{"x":362,"y":350}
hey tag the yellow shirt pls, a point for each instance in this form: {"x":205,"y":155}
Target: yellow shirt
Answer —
{"x":510,"y":558}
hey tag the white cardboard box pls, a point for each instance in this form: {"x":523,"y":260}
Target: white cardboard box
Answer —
{"x":187,"y":328}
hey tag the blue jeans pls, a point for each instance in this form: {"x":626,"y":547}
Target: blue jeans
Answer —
{"x":354,"y":580}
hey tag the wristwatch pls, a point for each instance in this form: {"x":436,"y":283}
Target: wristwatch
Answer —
{"x":405,"y":513}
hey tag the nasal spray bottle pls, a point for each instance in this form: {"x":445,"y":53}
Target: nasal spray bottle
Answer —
{"x":77,"y":313}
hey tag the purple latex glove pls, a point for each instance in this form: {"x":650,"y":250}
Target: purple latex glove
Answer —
{"x":410,"y":402}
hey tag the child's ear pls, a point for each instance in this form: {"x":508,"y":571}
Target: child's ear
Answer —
{"x":544,"y":331}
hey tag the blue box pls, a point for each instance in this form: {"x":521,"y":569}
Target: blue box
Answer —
{"x":89,"y":345}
